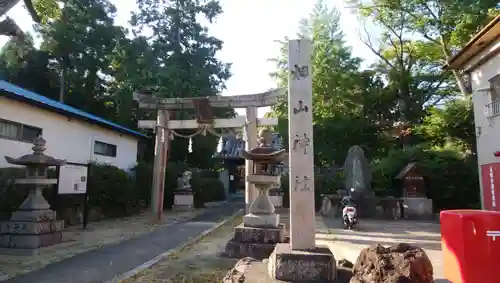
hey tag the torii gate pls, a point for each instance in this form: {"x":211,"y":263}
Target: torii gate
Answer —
{"x":204,"y":122}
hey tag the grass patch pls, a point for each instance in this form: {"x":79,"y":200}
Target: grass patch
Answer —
{"x":195,"y":263}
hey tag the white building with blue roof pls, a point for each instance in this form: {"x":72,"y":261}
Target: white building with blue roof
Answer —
{"x":71,"y":134}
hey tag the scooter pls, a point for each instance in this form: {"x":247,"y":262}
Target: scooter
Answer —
{"x":349,"y":216}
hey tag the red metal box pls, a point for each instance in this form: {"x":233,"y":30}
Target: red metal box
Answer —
{"x":470,"y":241}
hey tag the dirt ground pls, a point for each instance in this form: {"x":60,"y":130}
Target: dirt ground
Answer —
{"x":347,"y":244}
{"x":201,"y":262}
{"x":77,"y":241}
{"x":198,"y":263}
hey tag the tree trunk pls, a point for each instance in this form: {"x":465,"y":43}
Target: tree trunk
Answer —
{"x":62,"y":83}
{"x":461,"y":83}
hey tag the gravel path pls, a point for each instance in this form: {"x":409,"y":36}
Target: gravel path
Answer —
{"x":103,"y":264}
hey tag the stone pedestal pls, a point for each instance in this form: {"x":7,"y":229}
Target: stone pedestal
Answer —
{"x":418,"y":208}
{"x":261,"y":221}
{"x":183,"y":200}
{"x":261,"y":229}
{"x":254,"y":242}
{"x":28,"y":230}
{"x":316,"y":265}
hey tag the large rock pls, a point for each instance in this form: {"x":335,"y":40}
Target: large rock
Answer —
{"x":402,"y":263}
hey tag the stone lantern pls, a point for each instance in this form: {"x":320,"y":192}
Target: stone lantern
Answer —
{"x":34,"y":224}
{"x":264,"y":175}
{"x":261,"y":229}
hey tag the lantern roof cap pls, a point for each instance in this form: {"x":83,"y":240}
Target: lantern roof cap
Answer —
{"x":264,"y":154}
{"x":37,"y":157}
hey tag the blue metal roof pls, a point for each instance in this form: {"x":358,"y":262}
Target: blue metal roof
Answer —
{"x":62,"y":108}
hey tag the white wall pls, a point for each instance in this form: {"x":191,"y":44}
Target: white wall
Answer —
{"x":488,"y":140}
{"x":67,"y":138}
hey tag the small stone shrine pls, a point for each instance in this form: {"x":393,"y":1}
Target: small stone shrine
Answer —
{"x":34,"y":224}
{"x":261,"y":229}
{"x":183,"y":196}
{"x":416,"y":204}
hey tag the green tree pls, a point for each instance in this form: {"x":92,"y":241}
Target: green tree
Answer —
{"x":446,"y":25}
{"x":453,"y":123}
{"x":81,"y":41}
{"x":22,"y":64}
{"x":348,"y":104}
{"x":185,"y":62}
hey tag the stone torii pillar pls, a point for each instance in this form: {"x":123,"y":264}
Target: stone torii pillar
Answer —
{"x":163,"y":127}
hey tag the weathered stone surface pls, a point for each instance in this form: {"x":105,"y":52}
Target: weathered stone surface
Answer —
{"x":261,"y":220}
{"x":259,"y":235}
{"x":236,"y":249}
{"x":33,"y":215}
{"x":23,"y":227}
{"x":402,"y":263}
{"x":30,"y":241}
{"x":237,"y":273}
{"x":293,"y":265}
{"x":183,"y":199}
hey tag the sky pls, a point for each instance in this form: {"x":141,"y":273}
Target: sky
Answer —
{"x":249,"y":30}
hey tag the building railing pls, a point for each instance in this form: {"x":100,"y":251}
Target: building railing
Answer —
{"x":493,"y":109}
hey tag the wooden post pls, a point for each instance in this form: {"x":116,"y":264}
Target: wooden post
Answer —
{"x":160,"y":163}
{"x":301,"y":156}
{"x":250,"y":142}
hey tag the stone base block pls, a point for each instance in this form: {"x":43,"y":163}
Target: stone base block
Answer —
{"x":30,"y":241}
{"x":182,"y":208}
{"x":290,"y":265}
{"x":33,"y":215}
{"x":259,"y":235}
{"x":30,"y":228}
{"x":261,"y":221}
{"x":418,"y":208}
{"x":184,"y":200}
{"x":236,"y":249}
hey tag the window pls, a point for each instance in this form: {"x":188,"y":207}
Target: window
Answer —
{"x":495,"y":88}
{"x":18,"y":131}
{"x":105,"y":149}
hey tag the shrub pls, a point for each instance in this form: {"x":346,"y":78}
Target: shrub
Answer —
{"x":143,"y":175}
{"x":212,"y":190}
{"x":112,"y":191}
{"x":11,"y":195}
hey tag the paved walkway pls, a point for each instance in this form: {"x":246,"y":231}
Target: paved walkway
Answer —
{"x":104,"y":264}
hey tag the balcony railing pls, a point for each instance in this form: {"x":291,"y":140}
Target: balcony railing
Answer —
{"x":493,"y":109}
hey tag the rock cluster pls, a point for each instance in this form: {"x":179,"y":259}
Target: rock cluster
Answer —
{"x":401,"y":263}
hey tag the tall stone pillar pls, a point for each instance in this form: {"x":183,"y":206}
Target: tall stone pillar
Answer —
{"x":300,"y":260}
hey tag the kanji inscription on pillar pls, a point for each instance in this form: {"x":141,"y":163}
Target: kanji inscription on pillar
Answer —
{"x":301,"y":143}
{"x":301,"y":157}
{"x":302,"y":183}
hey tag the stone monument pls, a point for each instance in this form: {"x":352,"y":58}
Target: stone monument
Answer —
{"x":183,"y":196}
{"x":357,"y":183}
{"x":301,"y":260}
{"x":261,"y":229}
{"x":34,"y":224}
{"x":357,"y":173}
